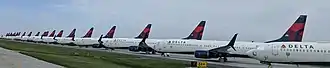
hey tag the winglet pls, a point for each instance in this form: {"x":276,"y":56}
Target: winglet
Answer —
{"x":232,"y":42}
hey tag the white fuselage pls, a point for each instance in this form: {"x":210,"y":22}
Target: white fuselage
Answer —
{"x":126,"y":42}
{"x":25,"y":38}
{"x":48,"y":39}
{"x":292,"y":52}
{"x":178,"y":46}
{"x":32,"y":38}
{"x":86,"y":41}
{"x":64,"y":40}
{"x":35,"y":38}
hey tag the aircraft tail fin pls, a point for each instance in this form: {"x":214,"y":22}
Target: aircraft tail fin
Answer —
{"x":23,"y":34}
{"x":52,"y":34}
{"x":59,"y":34}
{"x":198,"y":31}
{"x":145,"y":32}
{"x":37,"y":34}
{"x":29,"y":34}
{"x":295,"y":32}
{"x":72,"y":34}
{"x":89,"y":33}
{"x":111,"y":32}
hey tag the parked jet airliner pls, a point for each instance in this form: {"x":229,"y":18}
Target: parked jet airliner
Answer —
{"x":38,"y":39}
{"x":32,"y":37}
{"x":292,"y":53}
{"x":214,"y":49}
{"x":53,"y":40}
{"x":132,"y":43}
{"x":68,"y":40}
{"x":94,"y":42}
{"x":47,"y":39}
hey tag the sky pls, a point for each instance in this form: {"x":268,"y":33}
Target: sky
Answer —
{"x":258,"y":20}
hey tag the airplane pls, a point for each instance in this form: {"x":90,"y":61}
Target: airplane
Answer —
{"x":215,"y":49}
{"x":49,"y":39}
{"x":94,"y":42}
{"x":17,"y":36}
{"x":82,"y":40}
{"x":124,"y":43}
{"x":20,"y":37}
{"x":311,"y":53}
{"x":32,"y":37}
{"x":131,"y":44}
{"x":68,"y":40}
{"x":38,"y":39}
{"x":53,"y":40}
{"x":25,"y":38}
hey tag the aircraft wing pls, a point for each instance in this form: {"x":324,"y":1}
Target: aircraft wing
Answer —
{"x":224,"y":49}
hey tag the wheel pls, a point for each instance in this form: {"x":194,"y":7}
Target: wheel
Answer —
{"x":153,"y":52}
{"x":225,"y":59}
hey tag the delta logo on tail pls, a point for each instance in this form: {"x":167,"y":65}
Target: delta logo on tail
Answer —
{"x":52,"y":34}
{"x":89,"y":33}
{"x":297,"y":46}
{"x":198,"y":32}
{"x":29,"y":34}
{"x":72,"y":34}
{"x":295,"y":32}
{"x":37,"y":34}
{"x":60,"y":34}
{"x":45,"y":33}
{"x":110,"y":33}
{"x":23,"y":34}
{"x":145,"y":32}
{"x":19,"y":33}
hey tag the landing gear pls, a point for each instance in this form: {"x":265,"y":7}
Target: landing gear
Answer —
{"x":165,"y":54}
{"x":153,"y":52}
{"x":267,"y":63}
{"x":297,"y":65}
{"x":223,"y":57}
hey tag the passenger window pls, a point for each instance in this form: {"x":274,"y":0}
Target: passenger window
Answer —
{"x":321,"y":50}
{"x":328,"y":51}
{"x":306,"y":50}
{"x":318,"y":51}
{"x":303,"y":50}
{"x":299,"y":50}
{"x":293,"y":49}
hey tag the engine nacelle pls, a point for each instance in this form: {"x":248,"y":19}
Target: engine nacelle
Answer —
{"x":134,"y":48}
{"x":205,"y":54}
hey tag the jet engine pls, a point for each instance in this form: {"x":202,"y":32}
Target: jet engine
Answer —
{"x":205,"y":54}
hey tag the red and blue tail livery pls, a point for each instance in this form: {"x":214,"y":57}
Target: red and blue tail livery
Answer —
{"x":72,"y":34}
{"x":110,"y":33}
{"x":295,"y":32}
{"x":145,"y":32}
{"x":198,"y":32}
{"x":89,"y":33}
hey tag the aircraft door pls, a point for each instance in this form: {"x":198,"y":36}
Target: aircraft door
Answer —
{"x":274,"y":49}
